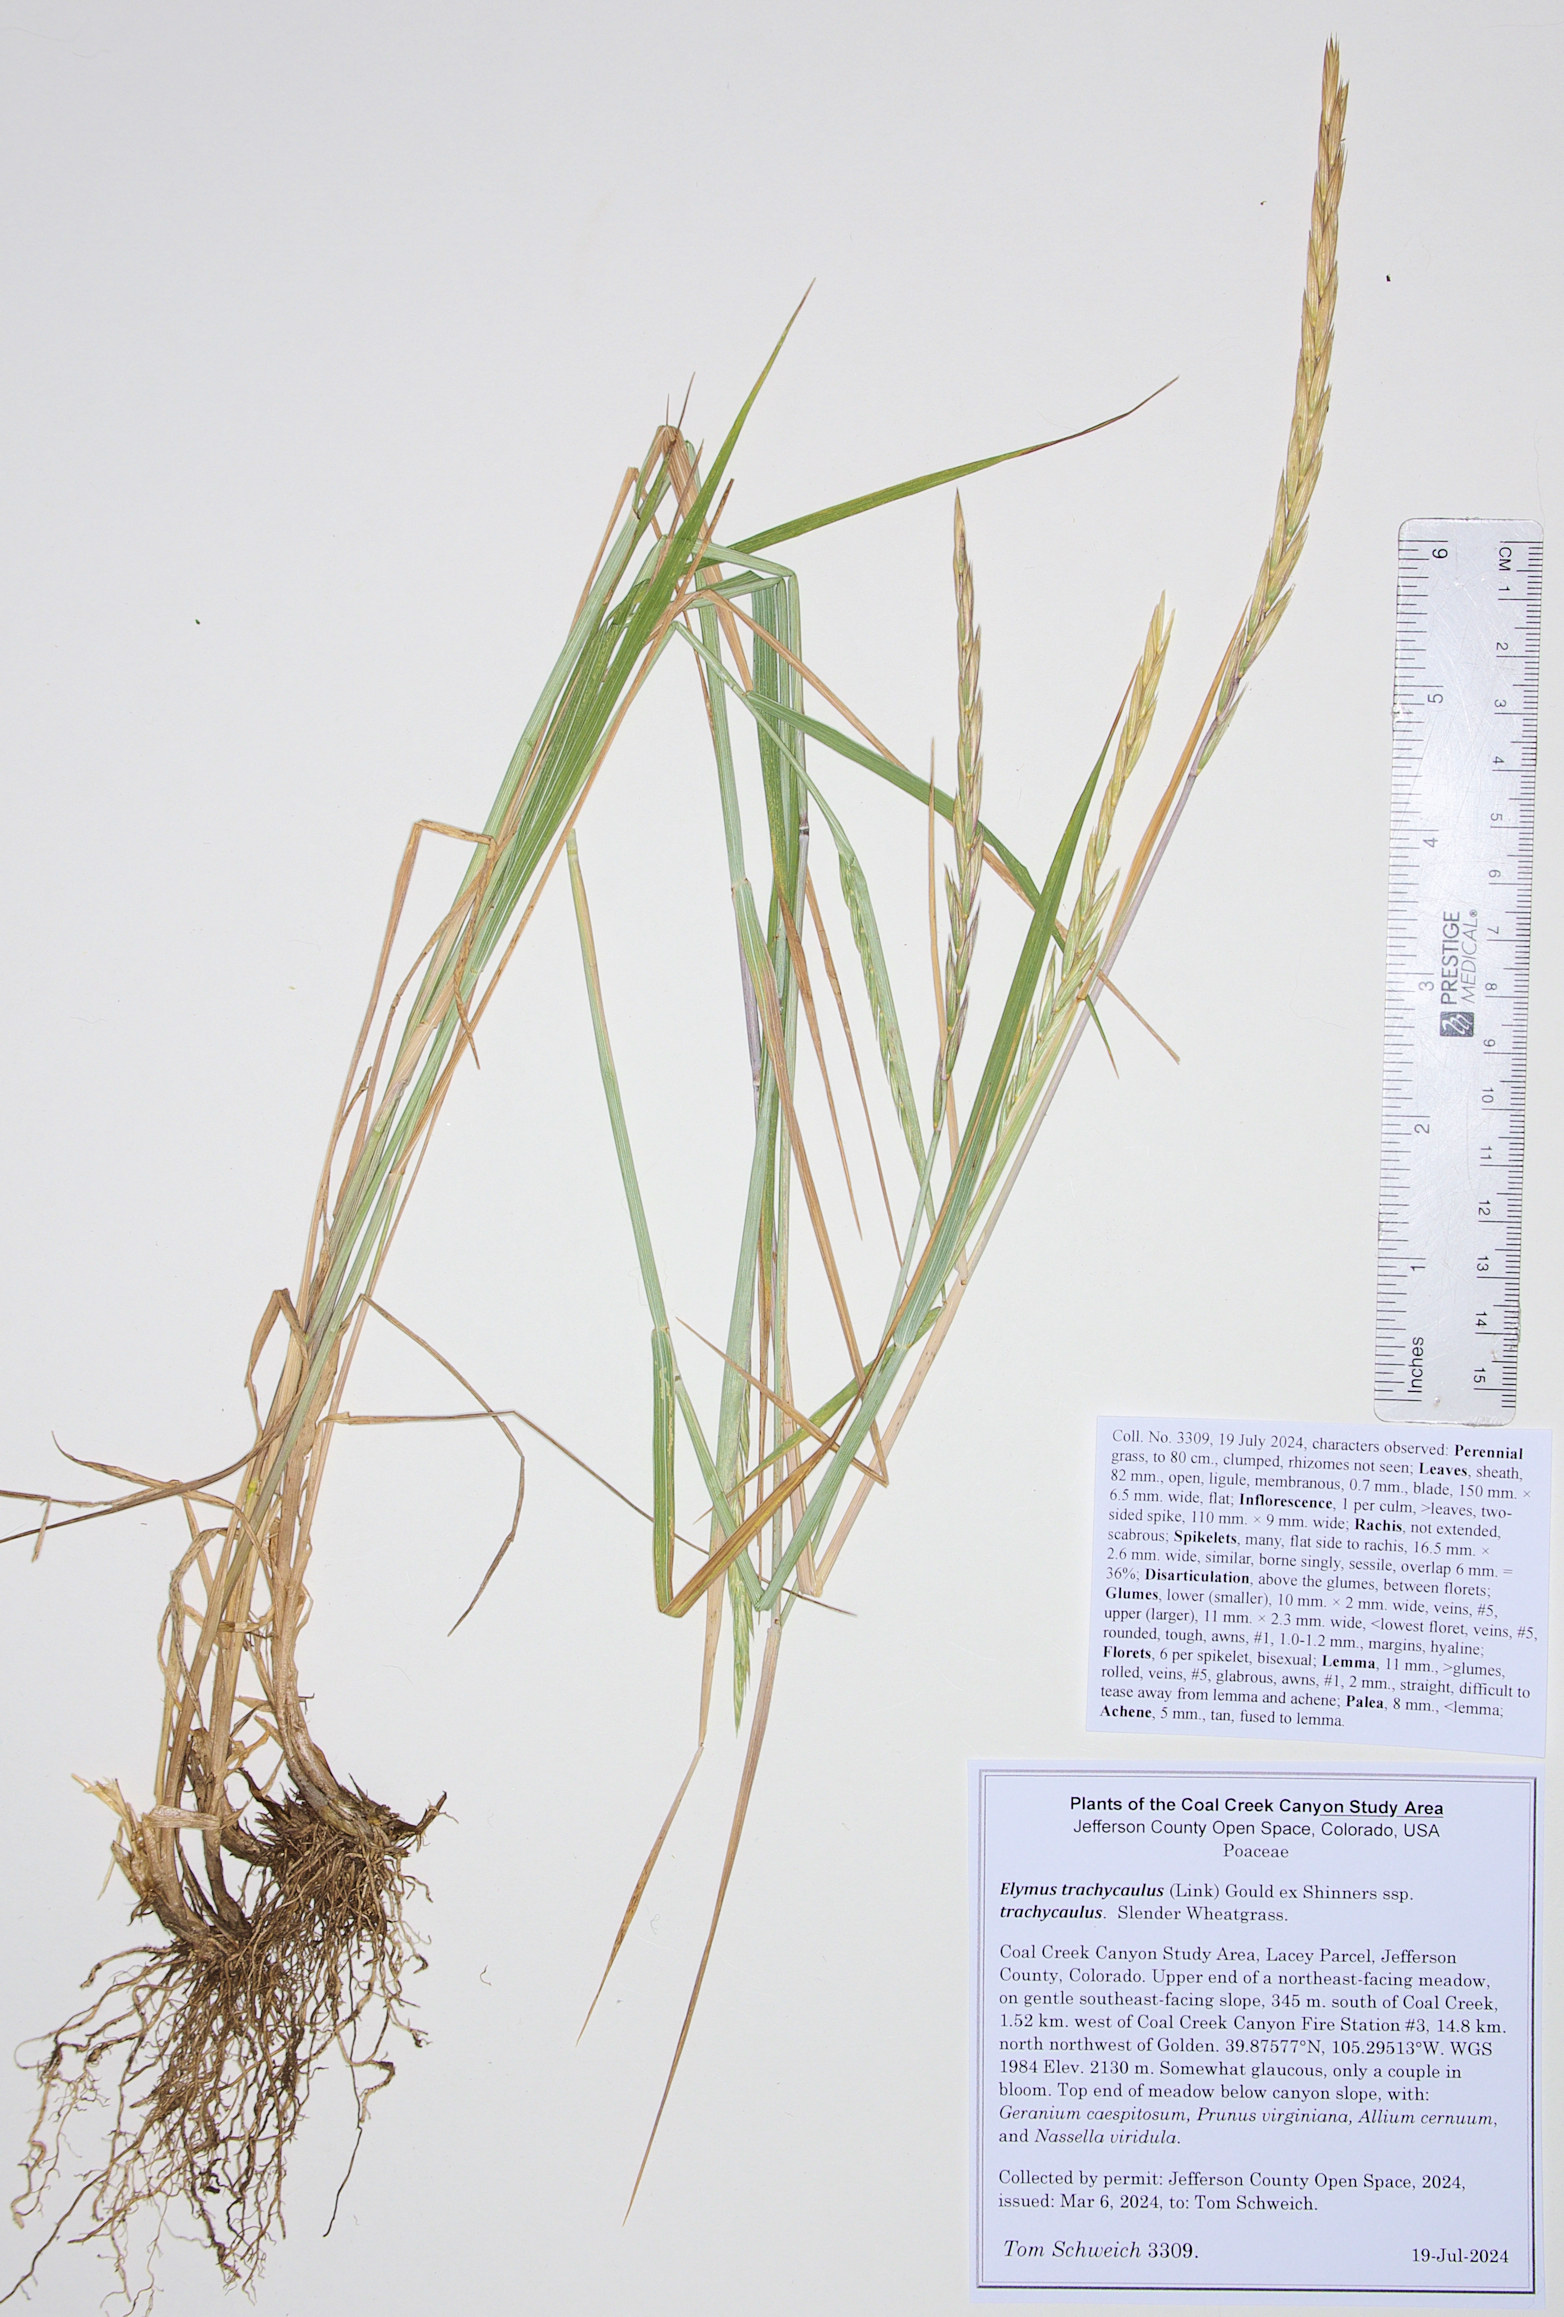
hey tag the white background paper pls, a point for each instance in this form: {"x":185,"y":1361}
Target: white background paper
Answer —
{"x":334,"y":329}
{"x":1269,"y":2030}
{"x":1322,"y":1581}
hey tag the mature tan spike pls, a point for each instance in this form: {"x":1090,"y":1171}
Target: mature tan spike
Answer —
{"x":1300,"y":473}
{"x":1311,"y":401}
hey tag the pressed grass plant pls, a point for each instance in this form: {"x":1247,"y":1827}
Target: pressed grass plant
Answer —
{"x":277,"y":1884}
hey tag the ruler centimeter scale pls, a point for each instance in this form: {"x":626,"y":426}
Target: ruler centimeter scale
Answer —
{"x":1453,"y":1117}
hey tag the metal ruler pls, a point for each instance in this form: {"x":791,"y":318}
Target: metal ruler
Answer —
{"x":1453,"y":1122}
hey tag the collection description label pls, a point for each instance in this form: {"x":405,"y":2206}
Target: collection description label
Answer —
{"x":1253,"y":2030}
{"x":1322,"y":1581}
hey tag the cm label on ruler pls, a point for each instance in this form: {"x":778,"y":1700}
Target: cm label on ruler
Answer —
{"x":1453,"y":1122}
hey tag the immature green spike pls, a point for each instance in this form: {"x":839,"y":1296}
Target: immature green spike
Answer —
{"x":966,"y":820}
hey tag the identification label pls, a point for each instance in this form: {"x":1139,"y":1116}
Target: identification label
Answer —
{"x":1253,"y":2031}
{"x":1322,"y":1581}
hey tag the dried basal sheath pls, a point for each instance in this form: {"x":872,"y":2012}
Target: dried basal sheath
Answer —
{"x":277,"y":1884}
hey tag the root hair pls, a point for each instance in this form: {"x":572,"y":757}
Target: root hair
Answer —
{"x":202,"y":2049}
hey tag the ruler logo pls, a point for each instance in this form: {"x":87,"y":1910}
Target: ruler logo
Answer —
{"x":1457,"y":959}
{"x":1456,"y":1025}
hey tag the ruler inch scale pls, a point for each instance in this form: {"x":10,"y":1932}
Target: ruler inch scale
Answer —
{"x":1458,"y":968}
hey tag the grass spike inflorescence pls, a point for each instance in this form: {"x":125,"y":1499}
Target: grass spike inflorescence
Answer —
{"x":961,"y":890}
{"x":1311,"y":402}
{"x":1301,"y":468}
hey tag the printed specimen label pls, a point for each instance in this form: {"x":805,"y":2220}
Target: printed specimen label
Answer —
{"x":1252,"y":2030}
{"x":1322,"y":1581}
